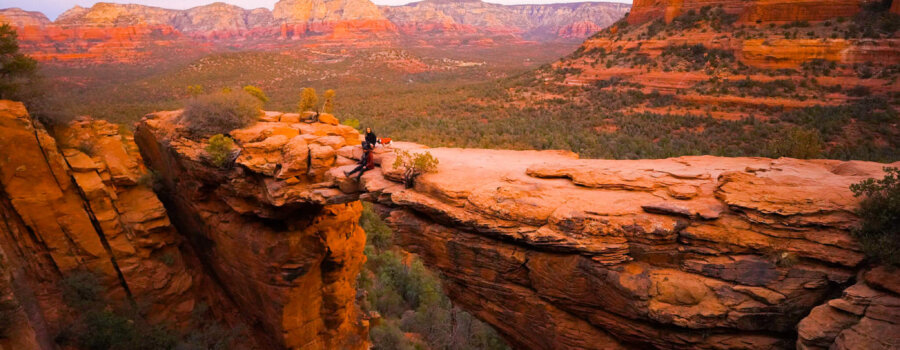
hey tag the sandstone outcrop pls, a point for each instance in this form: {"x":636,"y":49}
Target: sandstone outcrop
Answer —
{"x":285,"y":246}
{"x":749,"y":11}
{"x":554,"y":251}
{"x":65,"y":210}
{"x":864,"y":317}
{"x":693,"y":252}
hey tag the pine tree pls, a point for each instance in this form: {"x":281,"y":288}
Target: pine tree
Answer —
{"x":15,"y":68}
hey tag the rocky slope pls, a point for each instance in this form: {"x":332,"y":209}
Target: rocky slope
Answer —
{"x":732,"y":59}
{"x":108,"y":32}
{"x":558,"y":252}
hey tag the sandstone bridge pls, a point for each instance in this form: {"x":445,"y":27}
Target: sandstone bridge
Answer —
{"x":554,"y":251}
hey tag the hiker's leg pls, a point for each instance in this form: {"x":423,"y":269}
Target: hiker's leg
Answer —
{"x":358,"y":168}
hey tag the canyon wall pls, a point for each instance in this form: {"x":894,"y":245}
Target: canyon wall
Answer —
{"x":555,"y":252}
{"x":129,"y":33}
{"x":286,"y":254}
{"x":78,"y":199}
{"x":77,"y":202}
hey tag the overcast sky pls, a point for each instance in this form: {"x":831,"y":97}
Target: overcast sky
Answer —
{"x":53,"y":8}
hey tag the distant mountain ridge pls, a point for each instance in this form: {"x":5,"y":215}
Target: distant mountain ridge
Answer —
{"x":539,"y":21}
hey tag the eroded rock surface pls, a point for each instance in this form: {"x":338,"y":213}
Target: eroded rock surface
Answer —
{"x":558,"y":252}
{"x":80,"y":203}
{"x":284,"y":246}
{"x":866,"y":316}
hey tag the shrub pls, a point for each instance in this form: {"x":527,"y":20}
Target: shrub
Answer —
{"x":219,"y":149}
{"x":328,"y":106}
{"x":387,"y":336}
{"x":82,"y":289}
{"x":798,"y":143}
{"x":220,"y":113}
{"x":256,"y":92}
{"x":308,"y":100}
{"x":351,"y":122}
{"x":879,"y":212}
{"x":195,"y":90}
{"x":377,"y":232}
{"x":415,"y":164}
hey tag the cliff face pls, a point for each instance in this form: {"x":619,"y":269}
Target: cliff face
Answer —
{"x":562,"y":253}
{"x":693,"y":252}
{"x":82,"y":201}
{"x":279,"y":248}
{"x":554,"y":251}
{"x":65,"y":211}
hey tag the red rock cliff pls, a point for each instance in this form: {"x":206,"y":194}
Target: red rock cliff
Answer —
{"x":562,"y":253}
{"x":693,"y":252}
{"x":749,"y":11}
{"x":64,"y":210}
{"x":286,"y":249}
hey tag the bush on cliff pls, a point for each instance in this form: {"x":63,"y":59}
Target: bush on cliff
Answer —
{"x":414,"y":164}
{"x":219,"y":149}
{"x":879,"y":211}
{"x":309,"y":101}
{"x":219,"y":113}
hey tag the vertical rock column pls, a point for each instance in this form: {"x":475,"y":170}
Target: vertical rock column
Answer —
{"x":287,"y":261}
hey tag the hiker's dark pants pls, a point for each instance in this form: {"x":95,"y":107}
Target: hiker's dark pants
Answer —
{"x":361,"y":169}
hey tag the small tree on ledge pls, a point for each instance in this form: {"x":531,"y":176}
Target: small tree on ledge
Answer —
{"x":309,"y":101}
{"x":414,"y":164}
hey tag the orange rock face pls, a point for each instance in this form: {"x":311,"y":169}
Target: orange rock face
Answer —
{"x":864,"y":317}
{"x":64,"y":210}
{"x":693,"y":252}
{"x":285,"y":249}
{"x":555,"y":252}
{"x":749,"y":11}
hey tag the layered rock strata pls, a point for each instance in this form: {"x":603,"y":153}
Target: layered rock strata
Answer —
{"x":284,"y":247}
{"x":80,"y":203}
{"x":562,"y":253}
